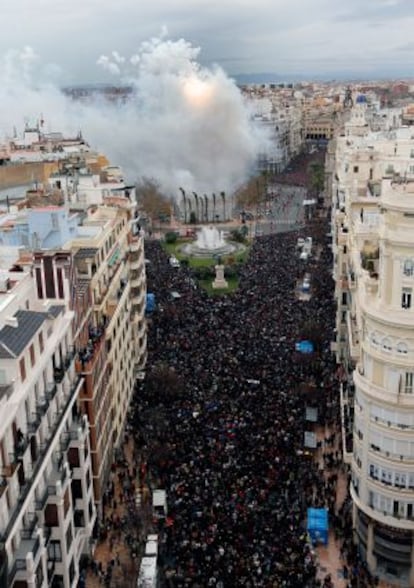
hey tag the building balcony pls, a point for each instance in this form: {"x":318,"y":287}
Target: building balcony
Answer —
{"x":19,"y":569}
{"x":136,"y":277}
{"x":51,"y":390}
{"x":60,"y":371}
{"x":371,"y":283}
{"x":135,"y":244}
{"x":78,"y":429}
{"x":142,"y":326}
{"x":137,"y":296}
{"x":41,"y":502}
{"x":353,"y":336}
{"x":343,"y":236}
{"x":27,"y":473}
{"x":342,"y":283}
{"x":351,"y":280}
{"x":89,"y":356}
{"x":6,"y":390}
{"x":379,"y":515}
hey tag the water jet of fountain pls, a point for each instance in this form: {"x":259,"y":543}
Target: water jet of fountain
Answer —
{"x":210,"y":238}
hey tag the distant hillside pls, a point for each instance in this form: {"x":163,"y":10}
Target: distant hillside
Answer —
{"x":267,"y":78}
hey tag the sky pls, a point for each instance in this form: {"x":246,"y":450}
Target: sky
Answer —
{"x":312,"y":38}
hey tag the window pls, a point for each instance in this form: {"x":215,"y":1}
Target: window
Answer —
{"x":39,"y":574}
{"x":69,"y":537}
{"x":55,"y":221}
{"x":373,"y":471}
{"x":51,"y":515}
{"x":406,"y":297}
{"x":54,"y":550}
{"x":402,"y":348}
{"x":408,"y":267}
{"x":344,"y":299}
{"x":408,"y":382}
{"x":386,"y":344}
{"x":32,"y":354}
{"x":22,"y":366}
{"x":356,"y":169}
{"x":41,"y":342}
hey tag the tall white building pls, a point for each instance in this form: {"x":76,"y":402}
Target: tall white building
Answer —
{"x":47,"y":509}
{"x":373,"y":230}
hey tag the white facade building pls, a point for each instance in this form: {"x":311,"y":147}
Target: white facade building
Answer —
{"x":47,"y":510}
{"x":373,"y":234}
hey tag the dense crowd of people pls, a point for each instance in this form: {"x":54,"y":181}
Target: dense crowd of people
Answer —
{"x":224,"y":435}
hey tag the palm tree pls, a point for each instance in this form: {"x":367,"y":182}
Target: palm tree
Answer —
{"x":196,"y":203}
{"x":185,"y":204}
{"x":214,"y":207}
{"x":223,"y":198}
{"x":206,"y":207}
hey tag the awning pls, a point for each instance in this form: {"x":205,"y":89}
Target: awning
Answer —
{"x":114,"y":257}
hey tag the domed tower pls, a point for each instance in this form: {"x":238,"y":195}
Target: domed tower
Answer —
{"x":382,"y":486}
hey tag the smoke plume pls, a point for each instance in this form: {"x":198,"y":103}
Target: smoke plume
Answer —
{"x":183,"y":125}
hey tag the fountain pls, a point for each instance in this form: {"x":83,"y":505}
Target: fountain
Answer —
{"x":210,"y":238}
{"x":210,"y":242}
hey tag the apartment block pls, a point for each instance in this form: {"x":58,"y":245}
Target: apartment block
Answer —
{"x":373,"y":242}
{"x":47,"y":510}
{"x":109,"y":263}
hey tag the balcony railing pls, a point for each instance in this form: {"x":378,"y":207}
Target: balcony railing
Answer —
{"x":41,"y":502}
{"x":70,"y":354}
{"x":28,"y":530}
{"x":33,"y":425}
{"x":6,"y":390}
{"x":36,"y":466}
{"x":59,"y":475}
{"x":51,"y":390}
{"x":19,"y":565}
{"x":29,"y":545}
{"x":88,"y":355}
{"x":42,"y":406}
{"x":64,"y":442}
{"x":21,"y":445}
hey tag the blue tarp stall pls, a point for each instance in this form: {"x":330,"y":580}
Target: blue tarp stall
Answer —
{"x":304,"y":347}
{"x":150,"y":305}
{"x":318,"y":525}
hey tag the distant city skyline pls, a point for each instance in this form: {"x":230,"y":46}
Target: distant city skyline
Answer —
{"x":319,"y":39}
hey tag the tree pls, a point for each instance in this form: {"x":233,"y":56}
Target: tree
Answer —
{"x":151,"y":200}
{"x":223,"y":199}
{"x":214,"y":207}
{"x":252,"y":193}
{"x":197,"y":212}
{"x":171,"y":237}
{"x":317,"y":177}
{"x":185,"y":204}
{"x":206,"y":208}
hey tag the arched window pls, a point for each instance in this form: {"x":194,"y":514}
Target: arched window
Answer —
{"x":402,"y":348}
{"x":408,"y":269}
{"x":386,"y":344}
{"x":374,"y":337}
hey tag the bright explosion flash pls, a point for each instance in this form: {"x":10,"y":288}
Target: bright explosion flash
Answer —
{"x":197,"y":92}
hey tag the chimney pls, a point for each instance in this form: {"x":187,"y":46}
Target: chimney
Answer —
{"x":12,"y":321}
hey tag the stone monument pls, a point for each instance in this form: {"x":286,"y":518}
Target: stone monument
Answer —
{"x":219,"y":280}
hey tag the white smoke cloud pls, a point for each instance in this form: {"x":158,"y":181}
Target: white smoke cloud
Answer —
{"x":184,"y":126}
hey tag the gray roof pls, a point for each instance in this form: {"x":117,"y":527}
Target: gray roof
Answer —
{"x":86,"y":252}
{"x":13,"y":340}
{"x":55,"y":310}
